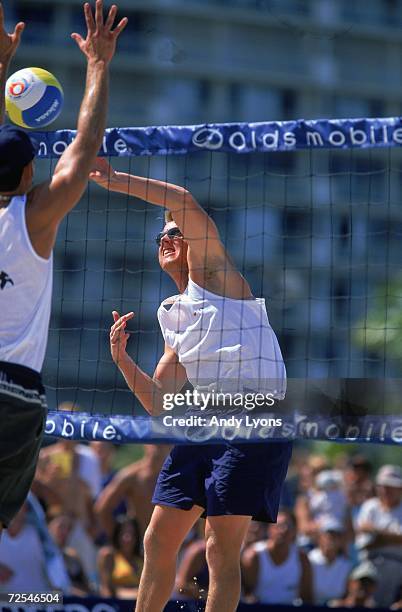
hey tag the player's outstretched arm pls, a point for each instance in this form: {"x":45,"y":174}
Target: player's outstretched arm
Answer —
{"x":8,"y":46}
{"x":191,"y":218}
{"x":209,"y":263}
{"x":169,"y":376}
{"x":52,"y":200}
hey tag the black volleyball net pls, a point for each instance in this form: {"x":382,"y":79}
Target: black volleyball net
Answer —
{"x":310,"y":213}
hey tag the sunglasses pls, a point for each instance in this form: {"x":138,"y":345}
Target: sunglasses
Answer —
{"x":171,"y":233}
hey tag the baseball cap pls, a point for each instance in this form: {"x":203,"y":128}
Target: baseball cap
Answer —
{"x":16,"y":151}
{"x":389,"y":476}
{"x":330,"y":523}
{"x":327,"y":479}
{"x":364,"y":570}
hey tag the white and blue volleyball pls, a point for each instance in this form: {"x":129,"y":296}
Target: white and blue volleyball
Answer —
{"x":34,"y":98}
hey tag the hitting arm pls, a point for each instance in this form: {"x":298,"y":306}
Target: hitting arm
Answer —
{"x":210,"y":266}
{"x":52,"y":200}
{"x":8,"y":46}
{"x":191,"y":218}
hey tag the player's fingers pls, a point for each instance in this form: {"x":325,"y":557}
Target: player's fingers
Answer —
{"x":125,"y":317}
{"x":119,"y":337}
{"x":89,"y":19}
{"x":117,"y":328}
{"x":120,"y":27}
{"x":99,"y":14}
{"x":111,"y":17}
{"x":78,"y":39}
{"x":18,"y":30}
{"x":115,"y":331}
{"x":120,"y":322}
{"x":116,"y":315}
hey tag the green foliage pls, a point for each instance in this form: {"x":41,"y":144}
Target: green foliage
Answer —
{"x":381,"y":330}
{"x":126,"y":454}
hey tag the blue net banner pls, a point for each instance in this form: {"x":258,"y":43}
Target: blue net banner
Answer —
{"x":234,"y":137}
{"x":261,"y":428}
{"x":95,"y":604}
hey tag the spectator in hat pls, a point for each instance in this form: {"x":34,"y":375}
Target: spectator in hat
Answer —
{"x":326,"y":499}
{"x":330,"y":567}
{"x":380,"y":533}
{"x":361,"y":586}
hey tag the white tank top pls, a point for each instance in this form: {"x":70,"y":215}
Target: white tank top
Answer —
{"x":329,"y":579}
{"x":23,"y":554}
{"x":25,"y":291}
{"x":277,"y":583}
{"x":223,"y":342}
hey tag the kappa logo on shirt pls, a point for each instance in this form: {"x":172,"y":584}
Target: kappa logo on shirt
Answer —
{"x":4,"y":279}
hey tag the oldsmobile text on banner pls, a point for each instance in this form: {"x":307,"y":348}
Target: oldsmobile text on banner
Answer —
{"x":234,"y":137}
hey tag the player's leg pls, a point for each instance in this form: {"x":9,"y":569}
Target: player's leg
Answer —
{"x":21,"y":435}
{"x":224,"y":538}
{"x":166,"y":532}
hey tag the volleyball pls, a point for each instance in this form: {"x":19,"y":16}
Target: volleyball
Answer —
{"x":34,"y":98}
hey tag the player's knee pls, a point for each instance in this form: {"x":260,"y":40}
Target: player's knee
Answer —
{"x":221,"y":554}
{"x":157,"y":545}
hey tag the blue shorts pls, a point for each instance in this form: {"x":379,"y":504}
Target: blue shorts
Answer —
{"x":225,"y":479}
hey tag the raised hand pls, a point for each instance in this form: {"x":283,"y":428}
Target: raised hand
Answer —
{"x":100,"y":43}
{"x":119,"y":337}
{"x":9,"y":42}
{"x":102,"y":172}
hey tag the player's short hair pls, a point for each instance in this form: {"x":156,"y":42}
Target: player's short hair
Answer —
{"x":16,"y":151}
{"x":168,"y":216}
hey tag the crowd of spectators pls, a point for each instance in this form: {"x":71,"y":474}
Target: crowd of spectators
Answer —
{"x":337,"y":541}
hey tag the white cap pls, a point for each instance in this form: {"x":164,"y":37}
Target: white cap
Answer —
{"x":327,"y":479}
{"x":330,"y":523}
{"x":390,"y":476}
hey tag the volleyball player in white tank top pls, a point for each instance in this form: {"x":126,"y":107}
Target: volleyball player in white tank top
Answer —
{"x":217,"y":333}
{"x":29,"y":219}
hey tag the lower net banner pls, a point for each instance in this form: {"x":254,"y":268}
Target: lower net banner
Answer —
{"x":335,"y":410}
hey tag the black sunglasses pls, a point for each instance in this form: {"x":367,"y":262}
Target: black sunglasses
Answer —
{"x":173,"y":232}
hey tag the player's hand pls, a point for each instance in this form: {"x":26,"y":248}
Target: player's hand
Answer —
{"x":100,"y":43}
{"x":102,"y":173}
{"x":9,"y":42}
{"x":119,"y":337}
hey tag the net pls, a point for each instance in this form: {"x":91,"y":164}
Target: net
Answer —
{"x":309,"y":211}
